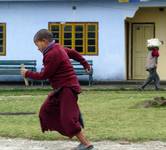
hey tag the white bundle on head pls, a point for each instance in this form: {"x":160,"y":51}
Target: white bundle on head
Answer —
{"x":153,"y":43}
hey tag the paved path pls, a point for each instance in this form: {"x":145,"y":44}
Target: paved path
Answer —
{"x":21,"y":144}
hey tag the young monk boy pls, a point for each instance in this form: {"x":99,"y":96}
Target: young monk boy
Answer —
{"x":60,"y":111}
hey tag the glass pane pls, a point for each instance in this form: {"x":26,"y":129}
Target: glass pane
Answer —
{"x":91,"y":48}
{"x":67,"y":28}
{"x":79,"y":28}
{"x":1,"y":35}
{"x":78,"y":42}
{"x":91,"y":27}
{"x":56,"y":40}
{"x":54,"y":28}
{"x":91,"y":35}
{"x":91,"y":42}
{"x":67,"y":35}
{"x":1,"y":49}
{"x":79,"y":35}
{"x":1,"y":42}
{"x":79,"y":49}
{"x":67,"y":42}
{"x":1,"y":29}
{"x":55,"y":35}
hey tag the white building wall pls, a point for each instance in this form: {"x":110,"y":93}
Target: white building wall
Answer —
{"x":24,"y":19}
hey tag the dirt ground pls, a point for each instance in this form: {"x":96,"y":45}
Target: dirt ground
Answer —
{"x":22,"y":144}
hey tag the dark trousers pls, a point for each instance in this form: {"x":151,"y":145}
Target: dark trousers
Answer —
{"x":153,"y":76}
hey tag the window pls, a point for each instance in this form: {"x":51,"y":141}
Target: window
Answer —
{"x":80,"y":36}
{"x":2,"y":39}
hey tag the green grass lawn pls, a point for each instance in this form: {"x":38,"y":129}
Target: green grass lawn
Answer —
{"x":108,"y":115}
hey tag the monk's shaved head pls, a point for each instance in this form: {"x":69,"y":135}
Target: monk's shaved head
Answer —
{"x":43,"y":34}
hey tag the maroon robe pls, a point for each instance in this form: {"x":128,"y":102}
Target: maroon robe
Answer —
{"x":60,"y":111}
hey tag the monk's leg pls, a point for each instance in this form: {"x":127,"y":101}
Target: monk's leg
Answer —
{"x":83,"y":140}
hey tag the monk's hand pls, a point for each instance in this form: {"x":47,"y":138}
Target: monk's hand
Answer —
{"x":23,"y":71}
{"x":89,"y":70}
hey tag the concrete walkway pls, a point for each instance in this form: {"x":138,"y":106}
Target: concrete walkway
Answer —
{"x":22,"y":144}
